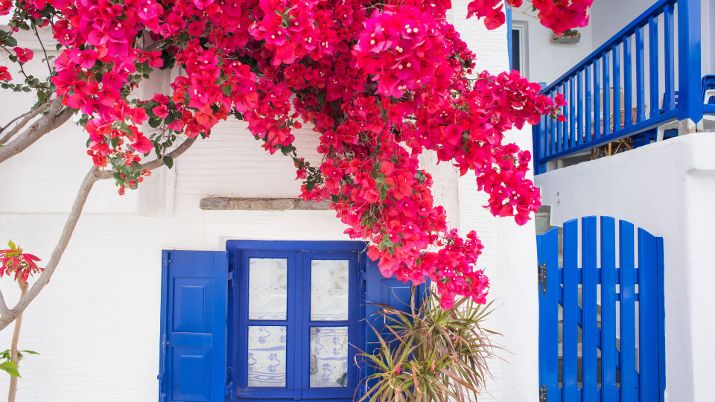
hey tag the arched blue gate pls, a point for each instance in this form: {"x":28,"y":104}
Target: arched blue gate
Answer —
{"x":601,"y":314}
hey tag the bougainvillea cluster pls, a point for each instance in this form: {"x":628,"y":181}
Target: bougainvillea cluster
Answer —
{"x":379,"y":83}
{"x":14,"y":261}
{"x":559,"y":15}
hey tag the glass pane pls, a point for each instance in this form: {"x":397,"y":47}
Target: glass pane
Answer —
{"x":267,"y":289}
{"x":329,"y":290}
{"x":267,"y":357}
{"x":328,"y":357}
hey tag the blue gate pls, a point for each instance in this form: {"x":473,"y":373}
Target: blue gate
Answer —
{"x":601,"y":313}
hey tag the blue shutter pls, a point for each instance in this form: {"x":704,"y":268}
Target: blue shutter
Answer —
{"x":387,"y":292}
{"x":193,"y":326}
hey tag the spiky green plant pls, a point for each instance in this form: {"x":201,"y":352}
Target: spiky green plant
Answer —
{"x":429,"y":354}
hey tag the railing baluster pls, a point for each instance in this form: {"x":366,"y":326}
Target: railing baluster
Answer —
{"x":606,"y":95}
{"x":690,"y":96}
{"x":597,"y":101}
{"x":579,"y":113}
{"x":628,"y":81}
{"x":589,"y":100}
{"x":654,"y":67}
{"x":616,"y":88}
{"x":669,"y":45}
{"x":562,"y":125}
{"x":549,"y":132}
{"x":573,"y":100}
{"x":640,"y":75}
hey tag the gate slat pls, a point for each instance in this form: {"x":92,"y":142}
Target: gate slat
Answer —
{"x":608,"y":309}
{"x":648,"y":304}
{"x":570,"y":313}
{"x":548,"y":245}
{"x":627,"y":341}
{"x":589,"y":303}
{"x":661,"y":318}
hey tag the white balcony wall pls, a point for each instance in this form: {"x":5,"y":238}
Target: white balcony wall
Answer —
{"x":666,"y":188}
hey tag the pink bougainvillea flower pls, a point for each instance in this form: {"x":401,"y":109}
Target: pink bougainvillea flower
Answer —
{"x":23,"y":54}
{"x":5,"y":74}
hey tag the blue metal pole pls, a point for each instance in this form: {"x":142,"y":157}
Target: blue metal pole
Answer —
{"x":690,"y":102}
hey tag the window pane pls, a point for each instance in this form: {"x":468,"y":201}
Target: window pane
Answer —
{"x":329,"y":290}
{"x":328,"y":357}
{"x":267,"y":357}
{"x":267,"y":289}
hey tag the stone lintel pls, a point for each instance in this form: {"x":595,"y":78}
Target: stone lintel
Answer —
{"x":260,"y":204}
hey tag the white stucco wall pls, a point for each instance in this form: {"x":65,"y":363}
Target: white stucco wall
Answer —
{"x":666,"y":188}
{"x":97,"y":324}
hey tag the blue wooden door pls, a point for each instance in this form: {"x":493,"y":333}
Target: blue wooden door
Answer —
{"x":193,"y":327}
{"x":299,"y":310}
{"x":601,"y":313}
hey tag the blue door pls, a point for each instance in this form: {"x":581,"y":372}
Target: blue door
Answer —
{"x":193,"y":327}
{"x":298,"y":313}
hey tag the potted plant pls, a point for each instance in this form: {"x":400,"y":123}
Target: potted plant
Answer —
{"x":429,"y":354}
{"x":568,"y":36}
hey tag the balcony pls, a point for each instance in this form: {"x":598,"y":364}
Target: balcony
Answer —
{"x":644,"y":84}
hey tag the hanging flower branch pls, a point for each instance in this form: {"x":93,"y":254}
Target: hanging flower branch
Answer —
{"x":379,"y":82}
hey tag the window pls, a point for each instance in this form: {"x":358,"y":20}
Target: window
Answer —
{"x":270,"y":321}
{"x":518,"y":47}
{"x":298,"y":310}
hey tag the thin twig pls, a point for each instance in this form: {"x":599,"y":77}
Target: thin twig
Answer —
{"x":158,"y":162}
{"x":55,"y":117}
{"x":26,"y":118}
{"x":42,"y":45}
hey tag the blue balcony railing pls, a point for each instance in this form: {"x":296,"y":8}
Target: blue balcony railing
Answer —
{"x":646,"y":76}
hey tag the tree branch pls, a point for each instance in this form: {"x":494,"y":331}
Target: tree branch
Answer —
{"x":60,"y":247}
{"x":4,"y":310}
{"x":56,"y":116}
{"x":7,"y":316}
{"x":26,"y":118}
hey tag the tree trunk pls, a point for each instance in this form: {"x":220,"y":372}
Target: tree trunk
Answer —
{"x":12,"y":391}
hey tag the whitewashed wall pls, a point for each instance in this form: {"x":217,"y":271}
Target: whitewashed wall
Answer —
{"x":548,"y":61}
{"x":97,"y":324}
{"x":666,"y":188}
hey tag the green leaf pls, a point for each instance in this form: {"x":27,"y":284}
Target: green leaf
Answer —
{"x":169,"y":161}
{"x":10,"y":367}
{"x":154,"y":122}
